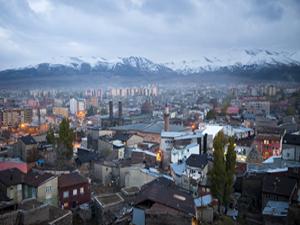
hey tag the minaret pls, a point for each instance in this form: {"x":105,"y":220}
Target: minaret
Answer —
{"x":166,"y":118}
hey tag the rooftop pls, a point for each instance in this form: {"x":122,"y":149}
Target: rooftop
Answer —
{"x":291,"y":139}
{"x":22,"y":166}
{"x":36,"y":179}
{"x":276,"y":208}
{"x":195,"y":160}
{"x":28,"y":140}
{"x":66,"y":180}
{"x":106,"y":200}
{"x":154,"y":127}
{"x":164,"y":191}
{"x":11,"y":177}
{"x":282,"y":185}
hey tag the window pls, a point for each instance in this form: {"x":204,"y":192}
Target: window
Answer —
{"x":81,"y":190}
{"x":74,"y":192}
{"x":48,"y":189}
{"x":66,"y":194}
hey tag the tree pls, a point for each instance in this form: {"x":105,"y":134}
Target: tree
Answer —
{"x":230,"y":171}
{"x":92,"y":110}
{"x":217,"y":173}
{"x":291,"y":110}
{"x":50,"y":136}
{"x":66,"y":138}
{"x":211,"y":115}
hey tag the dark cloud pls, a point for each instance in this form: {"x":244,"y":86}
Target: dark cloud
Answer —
{"x":34,"y":30}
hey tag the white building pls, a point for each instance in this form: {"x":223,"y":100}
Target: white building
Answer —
{"x":176,"y":145}
{"x":73,"y":106}
{"x":182,"y":153}
{"x":239,"y":132}
{"x":76,"y":105}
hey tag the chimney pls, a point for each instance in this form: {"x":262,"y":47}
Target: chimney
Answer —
{"x":166,"y":119}
{"x":200,"y":145}
{"x":120,"y":110}
{"x":111,"y":110}
{"x":39,"y":116}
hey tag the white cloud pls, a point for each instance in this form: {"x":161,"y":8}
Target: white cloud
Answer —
{"x":40,"y":6}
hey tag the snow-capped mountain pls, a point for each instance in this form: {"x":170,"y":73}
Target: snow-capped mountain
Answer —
{"x":98,"y":63}
{"x":250,"y":64}
{"x":236,"y":58}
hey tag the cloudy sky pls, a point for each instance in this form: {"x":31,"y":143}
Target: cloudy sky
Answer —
{"x":32,"y":31}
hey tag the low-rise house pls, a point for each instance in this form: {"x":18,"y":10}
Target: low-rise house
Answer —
{"x":278,"y":188}
{"x":105,"y":205}
{"x":33,"y":212}
{"x":42,"y":186}
{"x":118,"y":149}
{"x":143,"y":156}
{"x":268,"y":141}
{"x":291,"y":147}
{"x":28,"y":148}
{"x":128,"y":139}
{"x":85,"y":160}
{"x":238,"y":132}
{"x":73,"y":190}
{"x":204,"y":209}
{"x":11,"y":181}
{"x":197,"y":167}
{"x":162,"y":202}
{"x":180,"y":153}
{"x":190,"y":173}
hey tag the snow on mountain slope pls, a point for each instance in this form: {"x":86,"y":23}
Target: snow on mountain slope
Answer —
{"x":236,"y":58}
{"x":76,"y":63}
{"x":135,"y":65}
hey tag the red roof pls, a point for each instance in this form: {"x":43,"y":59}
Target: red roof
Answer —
{"x":232,"y":110}
{"x":19,"y":165}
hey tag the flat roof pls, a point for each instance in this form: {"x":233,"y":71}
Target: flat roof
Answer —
{"x":111,"y":199}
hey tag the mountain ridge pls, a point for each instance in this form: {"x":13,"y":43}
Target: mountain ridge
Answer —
{"x":254,"y":64}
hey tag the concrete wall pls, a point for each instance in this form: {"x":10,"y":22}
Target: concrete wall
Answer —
{"x":49,"y":196}
{"x":133,"y":176}
{"x":104,"y":172}
{"x":205,"y":214}
{"x":9,"y":218}
{"x":36,"y":216}
{"x":15,"y":193}
{"x":134,"y":140}
{"x":291,"y":152}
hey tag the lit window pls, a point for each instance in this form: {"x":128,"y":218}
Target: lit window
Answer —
{"x":74,"y":192}
{"x":81,"y":190}
{"x":66,"y":194}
